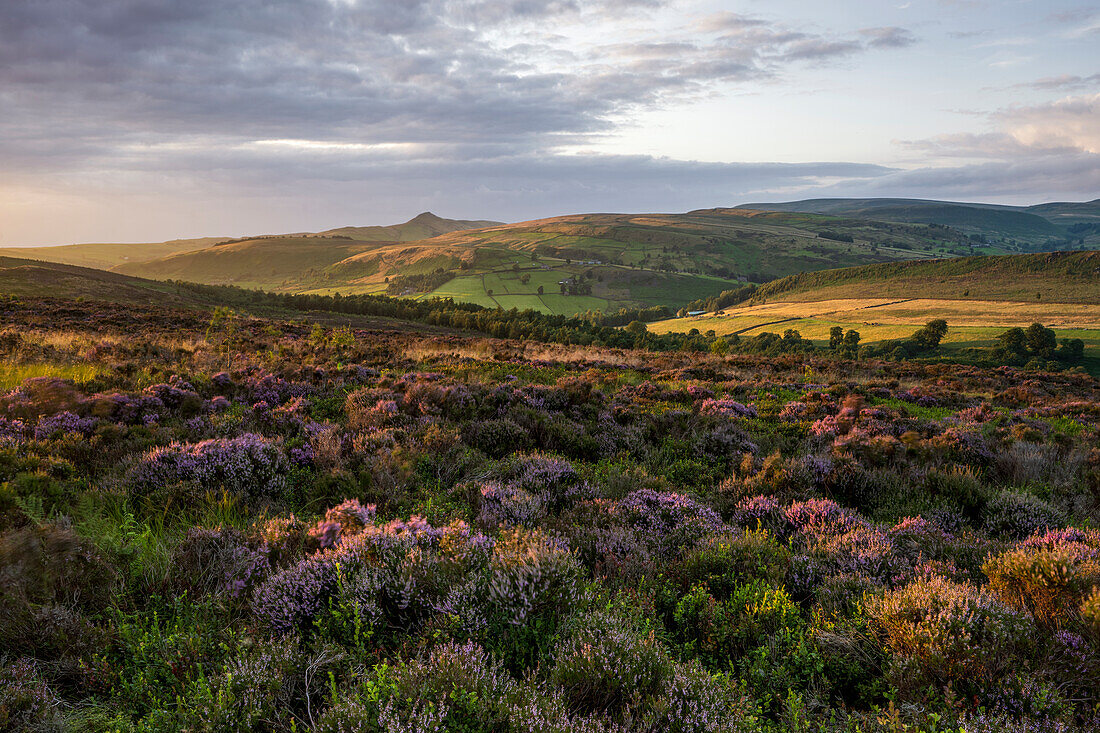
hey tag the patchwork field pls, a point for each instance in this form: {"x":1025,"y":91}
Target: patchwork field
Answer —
{"x":971,"y":322}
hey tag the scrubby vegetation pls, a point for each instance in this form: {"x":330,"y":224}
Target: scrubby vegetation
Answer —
{"x":246,"y":524}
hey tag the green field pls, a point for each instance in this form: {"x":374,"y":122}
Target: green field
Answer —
{"x":971,"y":322}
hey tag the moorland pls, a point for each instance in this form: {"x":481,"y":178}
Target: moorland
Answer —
{"x":859,"y":494}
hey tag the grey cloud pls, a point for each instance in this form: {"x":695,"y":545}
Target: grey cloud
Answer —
{"x":888,"y":37}
{"x":1064,"y":81}
{"x":80,"y":76}
{"x":1070,"y":175}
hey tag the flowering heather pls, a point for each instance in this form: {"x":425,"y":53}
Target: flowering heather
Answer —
{"x":757,"y":509}
{"x":26,"y":701}
{"x":1049,"y":583}
{"x":821,"y":516}
{"x":669,"y":519}
{"x":249,"y":465}
{"x":965,"y":445}
{"x":699,"y":393}
{"x":63,"y":423}
{"x":391,"y":530}
{"x":175,"y":394}
{"x":943,"y":630}
{"x":829,"y":425}
{"x":222,"y":382}
{"x":1019,"y":514}
{"x":794,"y":411}
{"x":271,"y":389}
{"x":218,"y":560}
{"x":605,"y":661}
{"x":555,"y":476}
{"x":430,"y":398}
{"x":12,"y":431}
{"x":510,"y":505}
{"x":726,"y":408}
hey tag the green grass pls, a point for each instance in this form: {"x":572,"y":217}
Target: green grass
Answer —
{"x":13,"y":375}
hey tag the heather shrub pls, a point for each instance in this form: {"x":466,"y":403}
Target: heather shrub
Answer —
{"x":958,"y":487}
{"x":454,"y":687}
{"x":605,"y":663}
{"x":509,"y":505}
{"x":270,"y":687}
{"x":292,"y":598}
{"x":695,"y":701}
{"x":250,"y":466}
{"x":497,"y":438}
{"x":1019,"y":514}
{"x":938,"y":630}
{"x":668,"y":520}
{"x":549,"y":476}
{"x":27,"y":702}
{"x":395,"y":577}
{"x":533,"y":582}
{"x":53,"y":565}
{"x":1048,"y":582}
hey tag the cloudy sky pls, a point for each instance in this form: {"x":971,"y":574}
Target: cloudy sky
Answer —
{"x":143,"y":120}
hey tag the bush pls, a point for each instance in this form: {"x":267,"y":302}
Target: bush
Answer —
{"x":1048,"y":583}
{"x":1018,"y":514}
{"x":50,"y":580}
{"x":720,"y":632}
{"x":268,"y":688}
{"x":939,"y":631}
{"x":497,"y":438}
{"x":725,"y":562}
{"x":249,"y":466}
{"x":26,"y":701}
{"x":606,"y":664}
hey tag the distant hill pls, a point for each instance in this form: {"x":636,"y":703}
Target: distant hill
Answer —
{"x":105,"y":256}
{"x":422,"y":226}
{"x":601,"y":261}
{"x":32,"y":278}
{"x":1033,"y":226}
{"x":581,"y":262}
{"x":1058,"y":277}
{"x":283,"y":261}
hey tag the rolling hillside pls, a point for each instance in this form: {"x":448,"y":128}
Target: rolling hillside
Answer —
{"x":33,"y":278}
{"x":1031,"y":226}
{"x":105,"y":256}
{"x":282,"y":262}
{"x":580,"y":262}
{"x":1059,"y":277}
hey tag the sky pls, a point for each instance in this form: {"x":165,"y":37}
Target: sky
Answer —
{"x":147,"y":120}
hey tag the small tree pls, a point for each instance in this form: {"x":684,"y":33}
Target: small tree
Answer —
{"x":929,"y":337}
{"x":836,"y":338}
{"x":1041,"y":340}
{"x":851,"y":343}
